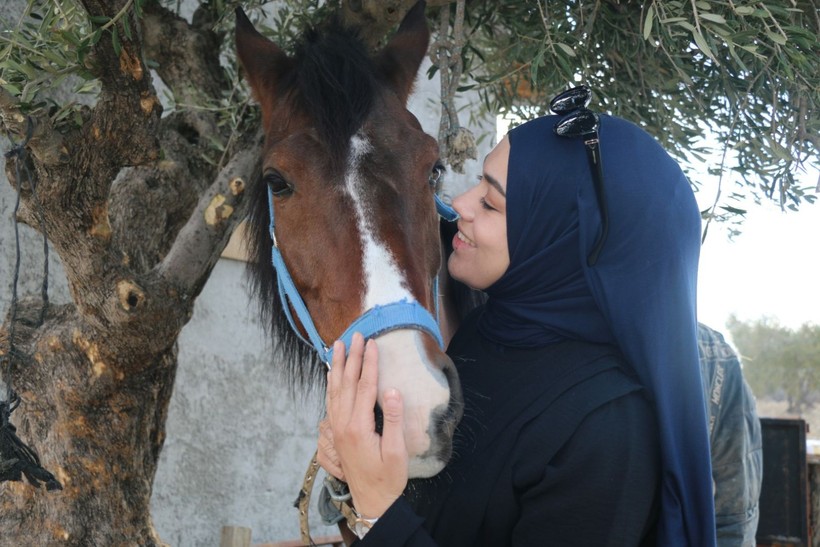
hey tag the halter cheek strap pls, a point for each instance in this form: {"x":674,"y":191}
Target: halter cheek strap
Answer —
{"x":374,"y":322}
{"x":445,"y":211}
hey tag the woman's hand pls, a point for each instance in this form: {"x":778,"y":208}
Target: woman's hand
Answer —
{"x":327,"y":456}
{"x":374,"y":467}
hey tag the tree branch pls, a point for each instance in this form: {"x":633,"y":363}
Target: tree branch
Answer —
{"x":149,"y":205}
{"x":45,"y":144}
{"x":128,"y":111}
{"x":185,"y":55}
{"x":377,"y":16}
{"x":201,"y":241}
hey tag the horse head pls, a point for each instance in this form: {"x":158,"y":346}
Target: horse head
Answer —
{"x":347,"y":174}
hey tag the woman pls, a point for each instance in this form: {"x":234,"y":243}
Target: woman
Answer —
{"x":584,"y":415}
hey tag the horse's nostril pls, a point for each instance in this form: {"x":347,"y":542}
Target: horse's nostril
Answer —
{"x":456,"y":406}
{"x":379,"y":419}
{"x":445,"y":420}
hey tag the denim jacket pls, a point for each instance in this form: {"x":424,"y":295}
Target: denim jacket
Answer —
{"x":736,"y":442}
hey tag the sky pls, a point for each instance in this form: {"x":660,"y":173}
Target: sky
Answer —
{"x":771,"y":269}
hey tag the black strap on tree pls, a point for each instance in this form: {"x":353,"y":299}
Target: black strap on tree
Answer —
{"x":16,"y":458}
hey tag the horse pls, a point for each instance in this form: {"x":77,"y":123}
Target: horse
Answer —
{"x":343,"y":225}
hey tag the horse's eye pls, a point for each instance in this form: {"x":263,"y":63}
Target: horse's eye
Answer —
{"x":436,"y":174}
{"x":279,"y":187}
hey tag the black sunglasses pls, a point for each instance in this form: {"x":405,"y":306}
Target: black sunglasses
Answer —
{"x":579,"y":121}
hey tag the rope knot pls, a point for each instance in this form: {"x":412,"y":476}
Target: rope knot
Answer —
{"x":19,"y":150}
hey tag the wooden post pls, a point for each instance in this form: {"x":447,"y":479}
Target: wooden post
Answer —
{"x":814,"y":488}
{"x":235,"y":536}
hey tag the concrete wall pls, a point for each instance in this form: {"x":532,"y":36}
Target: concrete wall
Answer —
{"x":237,"y":444}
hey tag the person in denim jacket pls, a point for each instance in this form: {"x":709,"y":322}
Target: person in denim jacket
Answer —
{"x":735,"y":438}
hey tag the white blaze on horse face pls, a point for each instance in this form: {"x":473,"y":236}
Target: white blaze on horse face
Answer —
{"x":383,"y":283}
{"x":403,"y":361}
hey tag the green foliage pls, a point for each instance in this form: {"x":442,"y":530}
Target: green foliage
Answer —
{"x":743,"y":74}
{"x":779,"y":360}
{"x":43,"y":48}
{"x":51,"y":44}
{"x":51,"y":47}
{"x":286,"y":23}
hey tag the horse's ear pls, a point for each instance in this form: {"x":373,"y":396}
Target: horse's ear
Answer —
{"x":262,"y":60}
{"x":401,"y":58}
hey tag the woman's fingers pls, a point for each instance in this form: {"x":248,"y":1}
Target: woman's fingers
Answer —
{"x":350,"y":375}
{"x":394,"y":451}
{"x":367,"y":388}
{"x":327,"y":456}
{"x":334,"y":377}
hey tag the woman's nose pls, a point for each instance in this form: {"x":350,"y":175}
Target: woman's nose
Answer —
{"x":460,"y":205}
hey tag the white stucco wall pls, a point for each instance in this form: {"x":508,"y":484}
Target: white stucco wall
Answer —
{"x":237,"y":444}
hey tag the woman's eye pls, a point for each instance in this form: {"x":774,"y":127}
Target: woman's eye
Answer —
{"x":486,"y":205}
{"x":277,"y":184}
{"x":436,"y":174}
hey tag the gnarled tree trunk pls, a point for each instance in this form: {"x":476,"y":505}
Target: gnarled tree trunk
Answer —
{"x":139,"y":220}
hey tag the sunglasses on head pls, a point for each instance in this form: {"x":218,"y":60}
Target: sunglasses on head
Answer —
{"x":579,"y":121}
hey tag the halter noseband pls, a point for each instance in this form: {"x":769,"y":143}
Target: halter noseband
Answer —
{"x":374,"y":322}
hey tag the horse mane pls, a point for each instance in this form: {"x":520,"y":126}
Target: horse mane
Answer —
{"x":334,"y":81}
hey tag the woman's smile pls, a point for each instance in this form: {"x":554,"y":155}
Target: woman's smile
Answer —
{"x":460,"y":241}
{"x":481,"y":258}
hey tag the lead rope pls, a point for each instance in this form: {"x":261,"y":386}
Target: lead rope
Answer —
{"x":339,"y":497}
{"x":16,"y":458}
{"x":303,"y":500}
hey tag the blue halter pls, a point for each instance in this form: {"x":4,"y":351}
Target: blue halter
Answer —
{"x":374,"y":322}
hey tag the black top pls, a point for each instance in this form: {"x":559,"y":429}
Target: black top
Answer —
{"x":558,"y":446}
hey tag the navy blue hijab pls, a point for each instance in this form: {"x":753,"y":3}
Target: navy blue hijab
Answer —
{"x":640,"y":295}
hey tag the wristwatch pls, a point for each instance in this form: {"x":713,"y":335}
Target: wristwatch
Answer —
{"x":335,"y":505}
{"x":360,"y":525}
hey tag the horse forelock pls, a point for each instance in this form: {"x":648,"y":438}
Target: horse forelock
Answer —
{"x":334,"y":83}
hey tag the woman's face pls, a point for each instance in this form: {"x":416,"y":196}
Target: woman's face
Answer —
{"x":480,"y":254}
